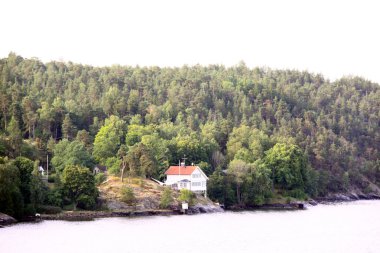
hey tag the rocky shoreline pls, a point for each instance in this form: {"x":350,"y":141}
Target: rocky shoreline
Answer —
{"x":90,"y":215}
{"x":6,"y":220}
{"x":300,"y":205}
{"x":351,"y":196}
{"x":197,"y":209}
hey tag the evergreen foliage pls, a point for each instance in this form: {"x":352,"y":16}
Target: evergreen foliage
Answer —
{"x":255,"y":132}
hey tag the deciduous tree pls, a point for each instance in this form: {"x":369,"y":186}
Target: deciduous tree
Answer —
{"x":79,"y":184}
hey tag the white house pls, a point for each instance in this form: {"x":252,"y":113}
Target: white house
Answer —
{"x":187,"y":177}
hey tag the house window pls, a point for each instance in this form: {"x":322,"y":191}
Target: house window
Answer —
{"x":196,"y":175}
{"x":196,"y":184}
{"x":182,"y":185}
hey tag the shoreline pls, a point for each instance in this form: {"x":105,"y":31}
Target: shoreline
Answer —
{"x":347,"y":197}
{"x":91,"y":215}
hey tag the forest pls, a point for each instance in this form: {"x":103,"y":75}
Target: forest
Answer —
{"x":257,"y":133}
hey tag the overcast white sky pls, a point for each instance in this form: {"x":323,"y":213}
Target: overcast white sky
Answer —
{"x":334,"y":38}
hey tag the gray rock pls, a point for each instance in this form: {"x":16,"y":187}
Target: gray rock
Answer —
{"x":342,"y":197}
{"x":208,"y":208}
{"x":313,"y":202}
{"x":6,"y":219}
{"x":374,"y":196}
{"x":353,"y":196}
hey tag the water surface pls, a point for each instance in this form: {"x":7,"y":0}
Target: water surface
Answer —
{"x":349,"y":227}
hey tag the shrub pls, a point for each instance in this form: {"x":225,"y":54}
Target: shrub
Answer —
{"x":113,"y":166}
{"x":297,"y":193}
{"x":166,"y":198}
{"x":259,"y":200}
{"x":100,"y":178}
{"x":46,"y":209}
{"x":52,"y":178}
{"x":29,"y":210}
{"x":86,"y":202}
{"x":128,"y":196}
{"x":356,"y":178}
{"x":187,"y":196}
{"x":54,"y":197}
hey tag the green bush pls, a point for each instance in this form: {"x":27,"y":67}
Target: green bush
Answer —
{"x":29,"y":210}
{"x":86,"y":202}
{"x":46,"y":209}
{"x":187,"y":196}
{"x":68,"y":207}
{"x":100,"y":178}
{"x":54,"y":197}
{"x":52,"y":178}
{"x":113,"y":165}
{"x":3,"y":147}
{"x":259,"y":200}
{"x":128,"y":196}
{"x":166,"y":198}
{"x":28,"y":151}
{"x":297,"y":193}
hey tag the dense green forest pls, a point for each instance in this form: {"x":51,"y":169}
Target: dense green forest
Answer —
{"x":257,"y":133}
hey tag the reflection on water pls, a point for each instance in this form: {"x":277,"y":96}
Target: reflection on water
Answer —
{"x":348,"y":227}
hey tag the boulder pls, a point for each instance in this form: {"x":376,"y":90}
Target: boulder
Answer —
{"x":374,"y":196}
{"x":204,"y":208}
{"x":353,"y":196}
{"x":6,"y":219}
{"x":313,"y":202}
{"x":341,"y":197}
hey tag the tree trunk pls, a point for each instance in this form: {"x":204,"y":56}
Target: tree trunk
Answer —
{"x":238,"y":194}
{"x":122,"y":170}
{"x":5,"y":120}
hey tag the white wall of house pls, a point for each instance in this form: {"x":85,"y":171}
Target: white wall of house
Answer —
{"x":198,"y":181}
{"x":184,"y":185}
{"x":172,"y":179}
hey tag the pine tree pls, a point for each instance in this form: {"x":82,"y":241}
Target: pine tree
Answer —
{"x":15,"y":137}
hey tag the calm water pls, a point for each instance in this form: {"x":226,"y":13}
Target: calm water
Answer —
{"x":349,"y":227}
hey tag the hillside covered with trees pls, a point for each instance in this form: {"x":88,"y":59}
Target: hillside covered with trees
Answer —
{"x":257,"y":133}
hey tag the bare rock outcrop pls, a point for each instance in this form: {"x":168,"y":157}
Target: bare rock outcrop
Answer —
{"x":6,"y":219}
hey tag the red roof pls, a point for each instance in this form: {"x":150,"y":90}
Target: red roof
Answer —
{"x":180,"y":170}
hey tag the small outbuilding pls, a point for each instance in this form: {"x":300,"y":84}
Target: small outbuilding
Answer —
{"x":41,"y":170}
{"x":100,"y":169}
